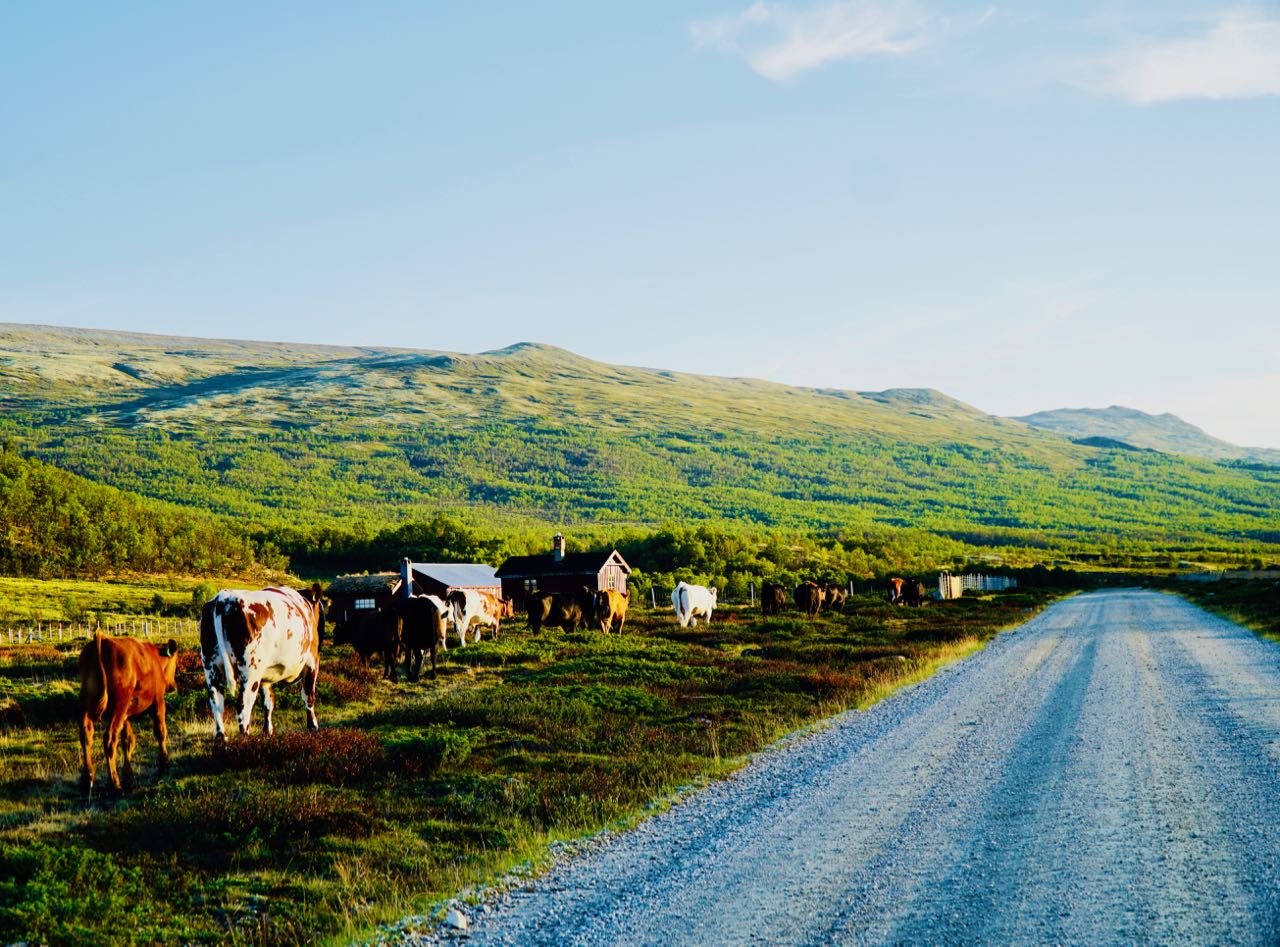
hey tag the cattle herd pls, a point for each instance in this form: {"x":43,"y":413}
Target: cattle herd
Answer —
{"x":252,"y":640}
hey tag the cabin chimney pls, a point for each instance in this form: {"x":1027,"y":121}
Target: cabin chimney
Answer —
{"x":557,"y":547}
{"x":406,"y":578}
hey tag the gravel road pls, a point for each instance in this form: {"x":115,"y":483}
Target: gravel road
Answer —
{"x":1108,"y":772}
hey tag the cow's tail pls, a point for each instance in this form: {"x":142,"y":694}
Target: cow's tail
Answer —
{"x":682,"y":604}
{"x":209,"y":631}
{"x":100,"y":707}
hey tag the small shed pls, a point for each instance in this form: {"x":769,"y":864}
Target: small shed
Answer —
{"x":350,"y":595}
{"x":441,"y":578}
{"x":558,"y":571}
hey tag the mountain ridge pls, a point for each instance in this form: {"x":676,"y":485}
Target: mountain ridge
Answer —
{"x":1163,"y":432}
{"x":308,"y":437}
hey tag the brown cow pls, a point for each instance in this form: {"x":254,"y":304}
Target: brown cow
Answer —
{"x":611,"y":608}
{"x":122,"y":678}
{"x":809,"y":598}
{"x":773,"y":598}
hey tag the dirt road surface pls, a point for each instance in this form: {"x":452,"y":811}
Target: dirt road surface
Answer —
{"x":1107,"y":773}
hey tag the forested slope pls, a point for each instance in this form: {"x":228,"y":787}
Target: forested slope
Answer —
{"x":56,"y":524}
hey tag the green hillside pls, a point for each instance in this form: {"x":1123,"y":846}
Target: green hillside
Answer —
{"x":53,"y":523}
{"x":309,"y":437}
{"x":1162,"y":432}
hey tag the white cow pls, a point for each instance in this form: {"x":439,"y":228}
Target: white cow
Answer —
{"x":690,"y":601}
{"x":467,"y":607}
{"x":446,"y":614}
{"x":251,"y":640}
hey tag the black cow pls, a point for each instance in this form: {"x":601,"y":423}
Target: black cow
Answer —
{"x":538,"y":605}
{"x":773,"y":598}
{"x":809,"y":598}
{"x":370,"y":633}
{"x":422,"y":625}
{"x":913,"y":593}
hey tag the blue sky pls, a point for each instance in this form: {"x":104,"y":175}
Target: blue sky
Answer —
{"x":1025,"y":205}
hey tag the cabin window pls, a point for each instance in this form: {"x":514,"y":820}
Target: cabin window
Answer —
{"x":365,"y":603}
{"x":530,"y":585}
{"x":613,"y":578}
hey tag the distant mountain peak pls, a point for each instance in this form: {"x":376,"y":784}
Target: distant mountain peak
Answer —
{"x":1166,"y":432}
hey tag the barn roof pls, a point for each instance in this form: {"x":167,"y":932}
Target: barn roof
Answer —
{"x":573,"y":563}
{"x":364,"y":584}
{"x":458,"y":575}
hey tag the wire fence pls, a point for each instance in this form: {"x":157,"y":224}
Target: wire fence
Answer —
{"x":53,"y":632}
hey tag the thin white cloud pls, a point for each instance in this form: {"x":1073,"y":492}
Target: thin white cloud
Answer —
{"x":779,"y":42}
{"x":1238,"y":57}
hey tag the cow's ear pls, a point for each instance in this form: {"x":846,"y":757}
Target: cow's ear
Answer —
{"x":170,"y":649}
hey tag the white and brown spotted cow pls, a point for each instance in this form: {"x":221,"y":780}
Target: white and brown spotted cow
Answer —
{"x":251,"y":640}
{"x":469,"y":606}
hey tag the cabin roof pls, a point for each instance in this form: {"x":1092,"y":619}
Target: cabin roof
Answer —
{"x":458,"y":575}
{"x":573,"y":563}
{"x":364,"y":584}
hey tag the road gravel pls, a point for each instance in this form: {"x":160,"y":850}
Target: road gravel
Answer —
{"x":1107,"y":773}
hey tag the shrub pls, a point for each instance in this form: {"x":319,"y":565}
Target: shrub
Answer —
{"x":423,"y":752}
{"x":247,"y":819}
{"x":336,"y":756}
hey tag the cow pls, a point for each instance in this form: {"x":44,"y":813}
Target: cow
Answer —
{"x":692,"y":601}
{"x":469,"y":606}
{"x":773,"y":598}
{"x":611,"y":609}
{"x":567,"y":611}
{"x":122,"y":678}
{"x":252,"y":640}
{"x":896,"y":588}
{"x":809,"y":597}
{"x":422,"y":630}
{"x":370,"y":633}
{"x":538,"y":607}
{"x":906,"y":592}
{"x":836,"y":597}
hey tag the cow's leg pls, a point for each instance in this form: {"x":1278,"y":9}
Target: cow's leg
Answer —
{"x":310,"y":678}
{"x":86,"y":755}
{"x":433,"y":663}
{"x":114,"y":725}
{"x":217,"y":706}
{"x":162,"y":737}
{"x":496,"y":628}
{"x":389,"y":658}
{"x":248,"y":697}
{"x":268,"y":710}
{"x":130,"y":743}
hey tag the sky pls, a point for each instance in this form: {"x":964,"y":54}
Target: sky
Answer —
{"x":1025,"y":205}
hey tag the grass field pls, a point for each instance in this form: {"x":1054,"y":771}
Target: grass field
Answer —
{"x":1249,"y":602}
{"x":411,"y":793}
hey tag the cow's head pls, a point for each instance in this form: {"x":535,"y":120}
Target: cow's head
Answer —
{"x":712,"y":592}
{"x":169,"y":665}
{"x":315,"y":595}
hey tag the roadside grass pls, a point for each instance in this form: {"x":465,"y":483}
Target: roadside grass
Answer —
{"x":412,"y":793}
{"x":1253,"y":603}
